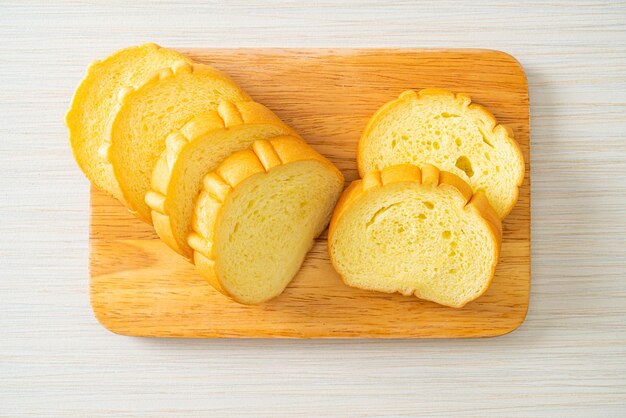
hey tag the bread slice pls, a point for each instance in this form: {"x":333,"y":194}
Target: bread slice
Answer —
{"x":95,"y":103}
{"x":416,"y":232}
{"x":444,"y":129}
{"x":258,"y":215}
{"x":148,"y":113}
{"x":193,"y":152}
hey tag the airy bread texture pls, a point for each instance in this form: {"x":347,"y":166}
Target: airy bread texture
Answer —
{"x":416,"y":232}
{"x":194,"y":151}
{"x":258,"y":215}
{"x":95,"y":104}
{"x":148,"y":113}
{"x":438,"y":127}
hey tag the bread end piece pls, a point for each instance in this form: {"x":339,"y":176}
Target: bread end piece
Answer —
{"x":95,"y":103}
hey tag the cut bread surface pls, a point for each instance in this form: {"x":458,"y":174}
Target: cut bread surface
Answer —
{"x":416,"y":232}
{"x":148,"y":113}
{"x":438,"y":127}
{"x":259,"y":214}
{"x":95,"y":104}
{"x":194,"y":151}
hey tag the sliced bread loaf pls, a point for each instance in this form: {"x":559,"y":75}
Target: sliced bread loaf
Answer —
{"x":149,"y":112}
{"x":258,"y":215}
{"x":194,"y":151}
{"x":95,"y":104}
{"x":416,"y":232}
{"x":444,"y":129}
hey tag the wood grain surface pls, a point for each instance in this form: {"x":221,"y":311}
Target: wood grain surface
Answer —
{"x":140,"y":287}
{"x":567,"y":358}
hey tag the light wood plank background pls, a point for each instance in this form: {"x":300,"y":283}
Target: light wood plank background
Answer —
{"x":569,"y":357}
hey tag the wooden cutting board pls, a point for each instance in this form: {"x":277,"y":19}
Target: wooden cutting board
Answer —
{"x":140,"y":287}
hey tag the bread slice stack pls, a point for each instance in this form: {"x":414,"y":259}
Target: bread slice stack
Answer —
{"x":436,"y":232}
{"x":233,"y":189}
{"x":224,"y":181}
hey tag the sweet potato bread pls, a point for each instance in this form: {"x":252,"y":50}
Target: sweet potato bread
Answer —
{"x":258,"y":215}
{"x":149,"y":112}
{"x":194,"y":151}
{"x":95,"y":104}
{"x":416,"y":232}
{"x":438,"y":127}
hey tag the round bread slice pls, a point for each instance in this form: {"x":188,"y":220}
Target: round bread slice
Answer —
{"x":193,"y":152}
{"x":148,"y":113}
{"x":444,"y":129}
{"x":416,"y":232}
{"x":259,"y":214}
{"x":95,"y":104}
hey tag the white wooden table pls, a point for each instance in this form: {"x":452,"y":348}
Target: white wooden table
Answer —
{"x":569,"y":358}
